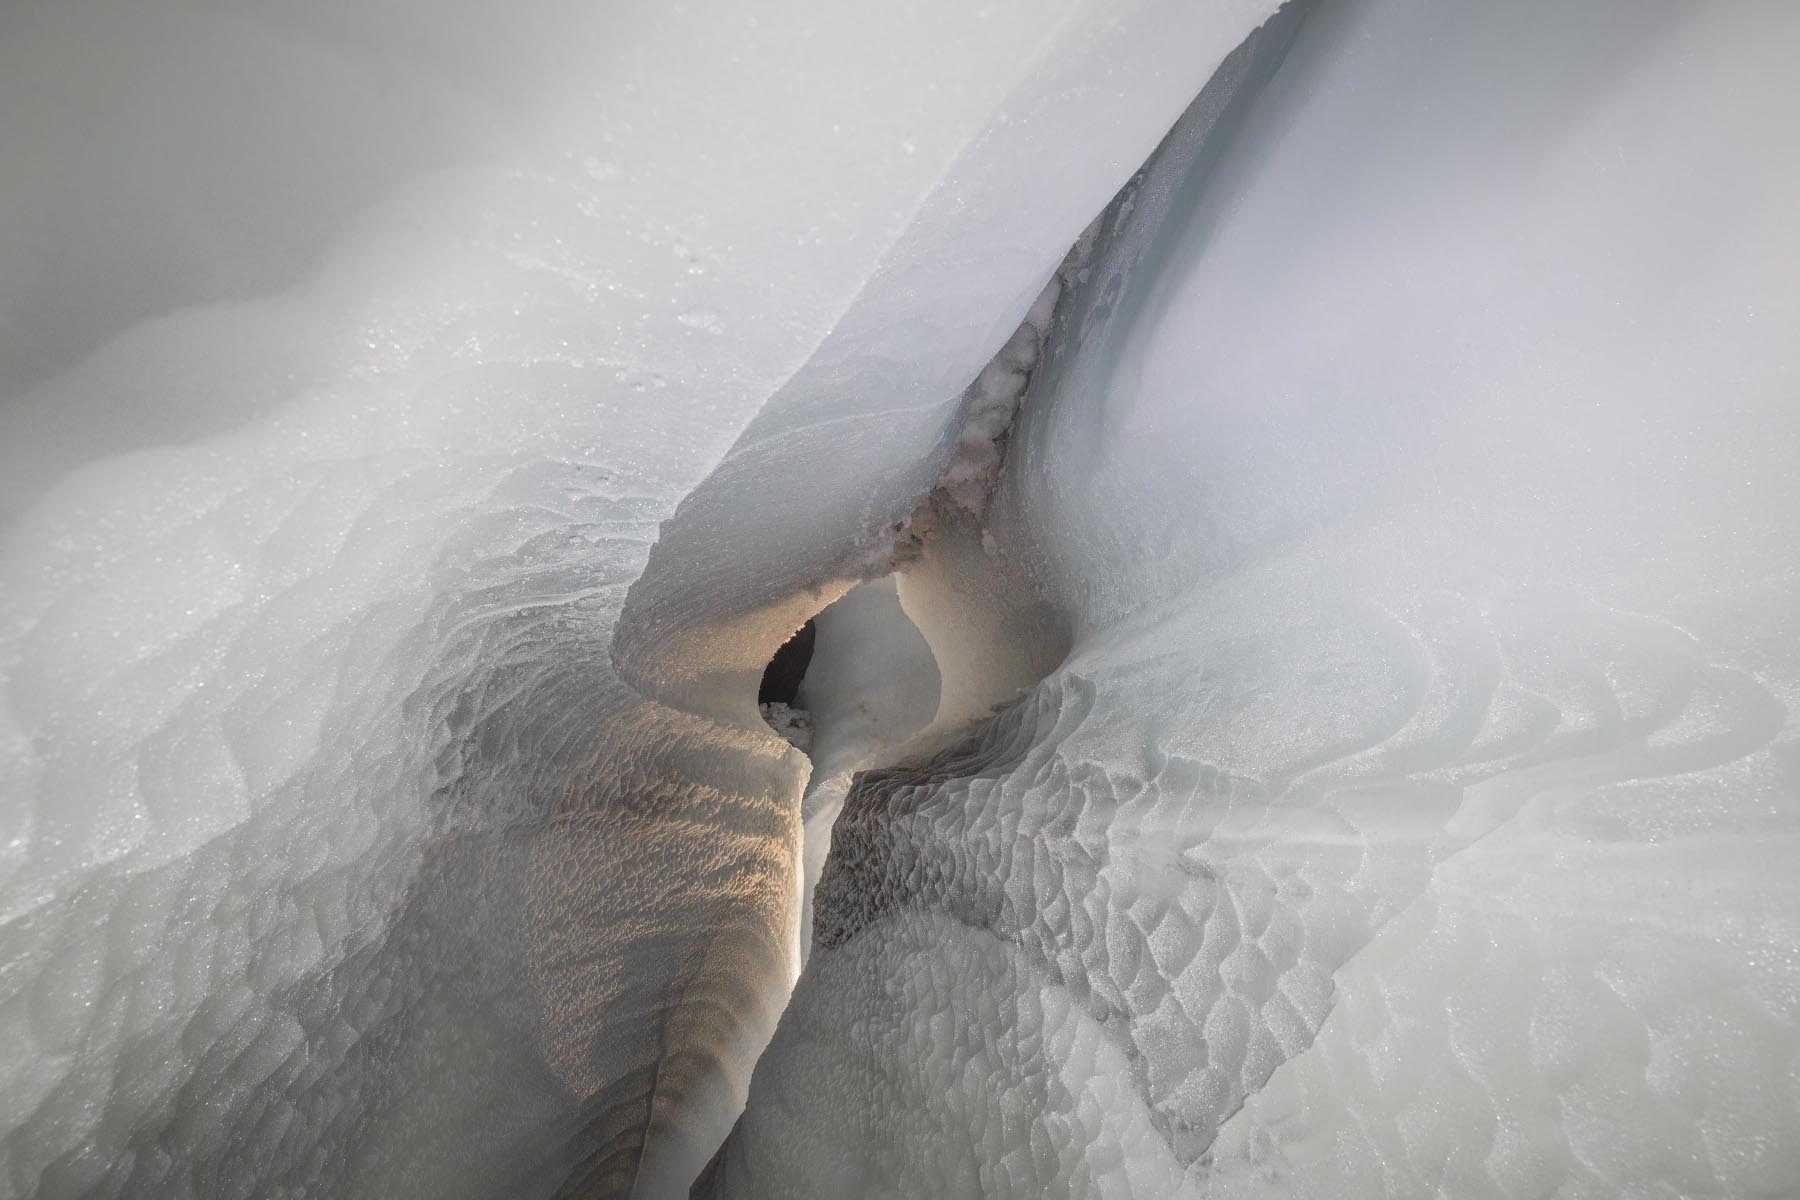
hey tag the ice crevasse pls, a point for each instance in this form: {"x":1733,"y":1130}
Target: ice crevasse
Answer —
{"x":1298,"y":508}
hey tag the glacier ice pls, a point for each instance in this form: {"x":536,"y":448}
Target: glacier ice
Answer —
{"x":1389,"y":604}
{"x":353,"y":843}
{"x":1302,"y":696}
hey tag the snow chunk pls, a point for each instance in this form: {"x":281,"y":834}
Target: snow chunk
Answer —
{"x":794,"y":725}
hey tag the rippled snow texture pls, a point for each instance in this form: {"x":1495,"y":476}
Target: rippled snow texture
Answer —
{"x":354,"y":358}
{"x":1415,"y":810}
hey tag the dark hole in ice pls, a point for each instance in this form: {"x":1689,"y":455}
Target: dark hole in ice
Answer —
{"x":781,"y":678}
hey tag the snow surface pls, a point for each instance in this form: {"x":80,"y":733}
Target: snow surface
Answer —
{"x":1331,"y":734}
{"x":1396,"y":554}
{"x":359,"y":834}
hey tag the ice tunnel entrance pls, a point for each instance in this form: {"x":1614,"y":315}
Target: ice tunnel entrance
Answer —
{"x":777,"y":695}
{"x":781,"y":678}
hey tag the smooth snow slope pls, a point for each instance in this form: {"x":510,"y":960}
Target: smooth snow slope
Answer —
{"x":1415,"y":810}
{"x":352,"y":355}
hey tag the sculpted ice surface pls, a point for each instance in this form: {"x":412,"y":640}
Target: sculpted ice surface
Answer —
{"x":1413,"y":811}
{"x":1327,"y":731}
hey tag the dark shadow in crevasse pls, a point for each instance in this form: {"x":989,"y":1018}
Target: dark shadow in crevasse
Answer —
{"x":781,"y":678}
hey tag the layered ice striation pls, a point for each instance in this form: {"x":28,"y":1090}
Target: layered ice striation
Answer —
{"x":1365,"y":761}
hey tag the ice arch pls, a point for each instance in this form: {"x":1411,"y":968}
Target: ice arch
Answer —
{"x":419,"y":429}
{"x":1415,"y":808}
{"x":353,"y":356}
